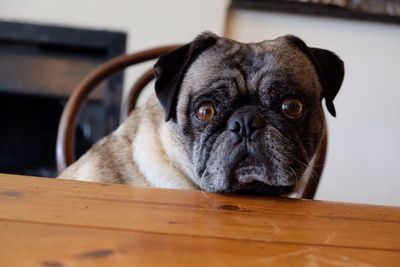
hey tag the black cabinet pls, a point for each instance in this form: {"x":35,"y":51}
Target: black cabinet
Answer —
{"x":39,"y":67}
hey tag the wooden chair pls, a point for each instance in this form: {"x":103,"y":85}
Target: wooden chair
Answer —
{"x":65,"y":152}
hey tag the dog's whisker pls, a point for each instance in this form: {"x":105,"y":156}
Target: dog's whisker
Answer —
{"x":260,"y":188}
{"x":313,"y":175}
{"x":295,"y":174}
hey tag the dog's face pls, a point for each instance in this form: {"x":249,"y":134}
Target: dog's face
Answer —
{"x":250,"y":114}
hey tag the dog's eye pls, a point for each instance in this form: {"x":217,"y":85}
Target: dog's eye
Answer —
{"x":292,"y":108}
{"x":205,"y":111}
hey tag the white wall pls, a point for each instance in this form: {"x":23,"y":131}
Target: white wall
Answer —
{"x":363,"y":163}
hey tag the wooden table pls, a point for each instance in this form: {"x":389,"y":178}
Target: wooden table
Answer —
{"x":57,"y":223}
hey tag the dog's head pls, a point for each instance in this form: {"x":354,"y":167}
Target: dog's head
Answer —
{"x":250,"y":114}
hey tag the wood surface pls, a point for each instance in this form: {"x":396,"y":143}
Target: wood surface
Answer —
{"x":56,"y":223}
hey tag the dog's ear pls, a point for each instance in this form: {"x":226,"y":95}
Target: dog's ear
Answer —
{"x":171,"y":68}
{"x":330,"y":69}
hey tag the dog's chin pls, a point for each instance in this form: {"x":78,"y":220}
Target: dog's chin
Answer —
{"x":260,"y":188}
{"x":254,"y":181}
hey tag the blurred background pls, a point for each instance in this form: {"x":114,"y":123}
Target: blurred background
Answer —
{"x":47,"y":46}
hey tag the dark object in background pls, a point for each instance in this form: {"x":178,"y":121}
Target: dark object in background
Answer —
{"x":39,"y":67}
{"x":387,"y":11}
{"x":384,"y":7}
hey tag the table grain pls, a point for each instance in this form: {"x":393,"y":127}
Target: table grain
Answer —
{"x":56,"y":223}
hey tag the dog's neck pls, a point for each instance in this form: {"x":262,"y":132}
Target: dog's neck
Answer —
{"x":172,"y":171}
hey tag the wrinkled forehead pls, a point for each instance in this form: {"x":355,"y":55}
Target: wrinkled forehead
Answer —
{"x":252,"y":67}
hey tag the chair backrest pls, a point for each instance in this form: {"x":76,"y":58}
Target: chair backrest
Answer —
{"x":65,"y":146}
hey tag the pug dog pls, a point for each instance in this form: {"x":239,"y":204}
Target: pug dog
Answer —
{"x":225,"y":117}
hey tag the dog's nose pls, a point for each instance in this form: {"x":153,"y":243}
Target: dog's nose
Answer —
{"x":244,"y":124}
